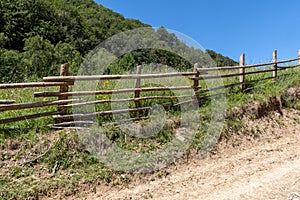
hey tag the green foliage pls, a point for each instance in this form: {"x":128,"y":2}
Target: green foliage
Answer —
{"x":36,"y":36}
{"x":220,"y":60}
{"x":12,"y":65}
{"x":39,"y":54}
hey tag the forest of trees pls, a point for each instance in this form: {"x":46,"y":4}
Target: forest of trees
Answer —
{"x":36,"y":36}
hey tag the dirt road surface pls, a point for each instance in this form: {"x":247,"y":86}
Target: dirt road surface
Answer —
{"x":263,"y":168}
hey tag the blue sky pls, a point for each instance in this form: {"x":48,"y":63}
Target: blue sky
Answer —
{"x":230,"y":27}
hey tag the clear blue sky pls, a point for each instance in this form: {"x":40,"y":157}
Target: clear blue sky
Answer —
{"x":230,"y":27}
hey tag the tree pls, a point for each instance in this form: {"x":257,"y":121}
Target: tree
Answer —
{"x":39,"y":55}
{"x":11,"y":66}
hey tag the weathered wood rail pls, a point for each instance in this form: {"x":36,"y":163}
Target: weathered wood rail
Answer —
{"x":67,"y":99}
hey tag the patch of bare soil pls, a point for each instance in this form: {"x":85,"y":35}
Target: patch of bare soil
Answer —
{"x":262,"y":165}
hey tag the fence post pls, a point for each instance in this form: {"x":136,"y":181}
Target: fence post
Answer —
{"x":275,"y":64}
{"x":299,"y":57}
{"x":196,"y":80}
{"x":242,"y":71}
{"x":137,"y":93}
{"x":64,"y":71}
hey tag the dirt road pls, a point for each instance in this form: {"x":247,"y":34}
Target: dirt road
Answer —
{"x":264,"y":168}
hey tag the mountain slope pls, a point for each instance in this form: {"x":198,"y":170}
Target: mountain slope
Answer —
{"x":36,"y":36}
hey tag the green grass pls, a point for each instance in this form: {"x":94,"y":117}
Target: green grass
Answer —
{"x":262,"y":90}
{"x":25,"y":95}
{"x":29,"y":151}
{"x":27,"y":172}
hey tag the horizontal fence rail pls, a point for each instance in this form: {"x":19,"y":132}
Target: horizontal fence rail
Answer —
{"x":31,"y":85}
{"x":116,"y":77}
{"x":66,"y":98}
{"x":7,"y":101}
{"x":35,"y":104}
{"x":124,"y":100}
{"x":246,"y":66}
{"x":27,"y":117}
{"x":118,"y":91}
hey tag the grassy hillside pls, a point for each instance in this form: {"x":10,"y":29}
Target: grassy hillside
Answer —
{"x":38,"y":162}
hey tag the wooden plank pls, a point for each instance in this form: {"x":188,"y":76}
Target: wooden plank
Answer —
{"x":83,"y":93}
{"x":287,"y":67}
{"x":234,"y":75}
{"x":7,"y":101}
{"x":102,"y":113}
{"x":242,"y":72}
{"x":35,"y":104}
{"x":119,"y":123}
{"x":201,"y":70}
{"x":259,"y":71}
{"x":73,"y":123}
{"x":109,"y":112}
{"x":124,"y":100}
{"x":26,"y":117}
{"x":196,"y":80}
{"x":299,"y":57}
{"x":63,"y":127}
{"x":231,"y":85}
{"x":64,"y":71}
{"x":34,"y":84}
{"x":275,"y":64}
{"x":115,"y":77}
{"x":137,"y":93}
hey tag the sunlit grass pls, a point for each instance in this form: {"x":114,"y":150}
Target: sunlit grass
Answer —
{"x":21,"y":96}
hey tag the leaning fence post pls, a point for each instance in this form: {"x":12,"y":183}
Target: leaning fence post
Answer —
{"x":64,"y":71}
{"x":242,"y":71}
{"x":275,"y":64}
{"x":137,"y":92}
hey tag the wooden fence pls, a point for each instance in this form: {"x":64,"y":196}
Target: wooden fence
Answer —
{"x":67,"y":99}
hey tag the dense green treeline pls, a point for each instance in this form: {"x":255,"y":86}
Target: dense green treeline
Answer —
{"x":36,"y":36}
